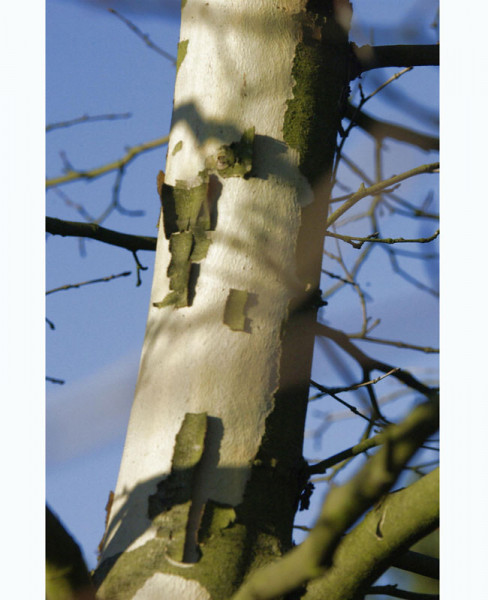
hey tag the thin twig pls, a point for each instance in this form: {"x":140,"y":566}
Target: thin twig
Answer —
{"x":345,"y":133}
{"x":383,"y":129}
{"x":80,"y":209}
{"x":115,"y":202}
{"x":416,"y":212}
{"x":387,"y":82}
{"x":54,"y":380}
{"x":131,"y":154}
{"x":139,"y":268}
{"x":356,"y":386}
{"x":369,"y":364}
{"x":392,"y":590}
{"x":128,"y":212}
{"x":402,"y":273}
{"x":78,"y":285}
{"x":357,"y":242}
{"x":351,"y":407}
{"x":367,"y":444}
{"x":397,"y":344}
{"x":417,"y":255}
{"x":377,"y":188}
{"x":334,"y":276}
{"x":351,"y":274}
{"x":144,"y":37}
{"x":87,"y":119}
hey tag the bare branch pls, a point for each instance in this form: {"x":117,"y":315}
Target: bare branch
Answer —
{"x":376,"y":188}
{"x":80,"y":209}
{"x":71,"y":286}
{"x":87,"y":119}
{"x":131,"y":154}
{"x":115,"y":202}
{"x":357,"y":242}
{"x":377,"y":57}
{"x":139,"y":268}
{"x":351,"y":407}
{"x":363,"y":446}
{"x":387,"y":82}
{"x":415,"y":211}
{"x":382,"y":129}
{"x":96,"y":232}
{"x":418,"y":563}
{"x":144,"y":37}
{"x":356,"y":386}
{"x":369,"y":364}
{"x":405,"y":275}
{"x":392,"y":590}
{"x":54,"y":380}
{"x":396,"y":343}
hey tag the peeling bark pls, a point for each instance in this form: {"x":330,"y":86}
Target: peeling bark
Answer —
{"x":246,"y":66}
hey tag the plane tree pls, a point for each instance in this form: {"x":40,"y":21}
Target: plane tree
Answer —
{"x":212,"y":473}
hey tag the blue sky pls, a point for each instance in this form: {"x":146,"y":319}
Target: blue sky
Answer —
{"x":96,"y":65}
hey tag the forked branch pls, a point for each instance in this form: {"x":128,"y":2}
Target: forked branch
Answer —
{"x":392,"y":527}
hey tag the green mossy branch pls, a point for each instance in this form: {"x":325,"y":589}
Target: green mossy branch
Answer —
{"x":342,"y":507}
{"x":67,"y":576}
{"x":395,"y":524}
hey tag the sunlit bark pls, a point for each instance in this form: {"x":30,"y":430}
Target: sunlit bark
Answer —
{"x":228,"y":347}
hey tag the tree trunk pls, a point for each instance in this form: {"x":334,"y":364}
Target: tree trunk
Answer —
{"x":212,"y":469}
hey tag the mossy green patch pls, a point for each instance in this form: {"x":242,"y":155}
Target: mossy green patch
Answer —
{"x":235,"y":159}
{"x":313,"y":114}
{"x":177,"y":148}
{"x":180,"y":246}
{"x":189,"y":441}
{"x":180,"y":56}
{"x":219,"y":570}
{"x":169,"y":507}
{"x":235,"y":309}
{"x":215,"y":519}
{"x":186,"y":220}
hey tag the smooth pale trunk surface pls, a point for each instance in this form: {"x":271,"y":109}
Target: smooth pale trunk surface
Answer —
{"x":236,"y":74}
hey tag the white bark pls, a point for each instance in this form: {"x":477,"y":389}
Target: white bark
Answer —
{"x":236,"y":74}
{"x":173,"y":586}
